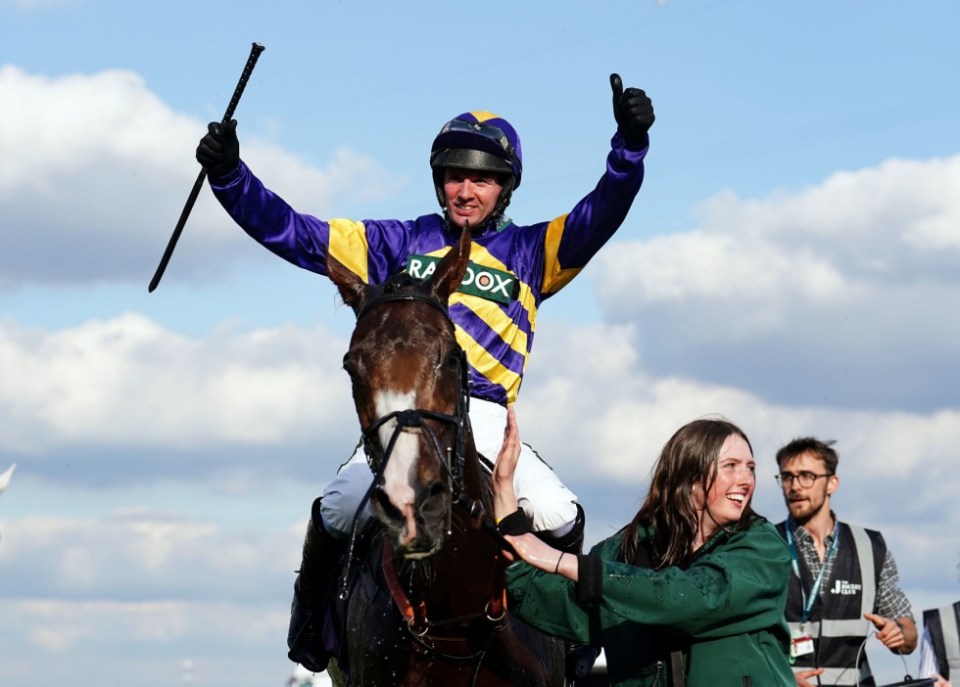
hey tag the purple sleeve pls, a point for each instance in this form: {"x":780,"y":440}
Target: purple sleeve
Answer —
{"x":597,"y":216}
{"x":296,"y":237}
{"x":381,"y":246}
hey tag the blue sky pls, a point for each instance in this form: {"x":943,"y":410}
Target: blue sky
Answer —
{"x":791,"y":263}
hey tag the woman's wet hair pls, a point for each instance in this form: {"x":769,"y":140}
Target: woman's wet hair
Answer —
{"x":687,"y":464}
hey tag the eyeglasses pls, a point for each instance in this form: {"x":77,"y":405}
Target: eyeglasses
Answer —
{"x":806,"y":479}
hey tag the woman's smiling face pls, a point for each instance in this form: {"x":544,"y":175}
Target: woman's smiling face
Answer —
{"x":733,"y":487}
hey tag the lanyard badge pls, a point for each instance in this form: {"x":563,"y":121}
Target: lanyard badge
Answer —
{"x":801,"y":644}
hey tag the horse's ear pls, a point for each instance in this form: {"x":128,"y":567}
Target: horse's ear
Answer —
{"x":451,"y":269}
{"x":351,"y":287}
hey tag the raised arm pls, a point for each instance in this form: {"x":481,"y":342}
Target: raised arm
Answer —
{"x":528,"y":546}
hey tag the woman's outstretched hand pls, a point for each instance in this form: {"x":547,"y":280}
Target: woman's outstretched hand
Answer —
{"x":529,"y":547}
{"x":539,"y":554}
{"x":504,"y":496}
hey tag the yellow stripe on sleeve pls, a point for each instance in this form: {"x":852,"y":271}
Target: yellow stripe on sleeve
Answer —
{"x":348,"y":245}
{"x":555,"y":277}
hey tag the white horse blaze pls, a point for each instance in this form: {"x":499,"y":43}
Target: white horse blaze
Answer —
{"x":398,"y":474}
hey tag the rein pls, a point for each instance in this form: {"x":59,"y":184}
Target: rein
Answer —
{"x":415,"y":615}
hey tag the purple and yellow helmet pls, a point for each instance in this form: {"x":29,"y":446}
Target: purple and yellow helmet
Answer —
{"x":480,"y":141}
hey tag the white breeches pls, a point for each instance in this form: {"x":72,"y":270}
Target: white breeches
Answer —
{"x":540,"y":493}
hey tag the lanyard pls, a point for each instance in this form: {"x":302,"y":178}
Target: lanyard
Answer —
{"x":794,"y":560}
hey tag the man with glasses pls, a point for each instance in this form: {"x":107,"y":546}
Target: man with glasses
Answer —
{"x":844,"y":582}
{"x":476,"y":163}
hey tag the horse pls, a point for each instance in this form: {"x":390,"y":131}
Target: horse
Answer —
{"x":430,"y":605}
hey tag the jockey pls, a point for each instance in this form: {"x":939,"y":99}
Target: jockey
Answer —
{"x":477,"y":163}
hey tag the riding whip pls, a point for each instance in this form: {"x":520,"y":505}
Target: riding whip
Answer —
{"x":255,"y":51}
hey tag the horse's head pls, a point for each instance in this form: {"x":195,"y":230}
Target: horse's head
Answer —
{"x":410,"y":389}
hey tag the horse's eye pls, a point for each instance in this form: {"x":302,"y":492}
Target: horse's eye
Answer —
{"x":453,"y":359}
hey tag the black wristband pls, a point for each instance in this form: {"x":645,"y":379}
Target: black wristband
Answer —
{"x":515,"y":524}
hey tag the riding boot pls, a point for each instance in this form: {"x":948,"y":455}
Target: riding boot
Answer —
{"x":580,"y":657}
{"x":322,"y":555}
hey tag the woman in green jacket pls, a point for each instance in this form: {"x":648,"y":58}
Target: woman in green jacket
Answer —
{"x":691,"y":592}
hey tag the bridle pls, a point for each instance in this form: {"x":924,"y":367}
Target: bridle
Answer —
{"x":416,"y":418}
{"x":452,"y":458}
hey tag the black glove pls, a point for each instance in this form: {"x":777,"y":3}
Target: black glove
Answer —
{"x":219,"y":150}
{"x":633,"y":111}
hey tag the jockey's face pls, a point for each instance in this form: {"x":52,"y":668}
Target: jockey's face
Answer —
{"x":471,"y":196}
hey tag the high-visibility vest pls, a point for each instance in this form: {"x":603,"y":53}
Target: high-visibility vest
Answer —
{"x":942,"y":624}
{"x":836,"y":619}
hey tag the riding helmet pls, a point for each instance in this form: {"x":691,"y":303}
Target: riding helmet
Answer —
{"x":479,"y":141}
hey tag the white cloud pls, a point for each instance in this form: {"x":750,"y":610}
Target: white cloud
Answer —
{"x":609,"y":407}
{"x":855,"y":230}
{"x":127,"y":381}
{"x":128,"y":555}
{"x":108,"y":642}
{"x":135,"y":591}
{"x":94,"y":171}
{"x":866,"y":214}
{"x":805,"y":296}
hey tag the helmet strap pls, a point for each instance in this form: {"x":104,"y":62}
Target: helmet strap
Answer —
{"x":503,"y":200}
